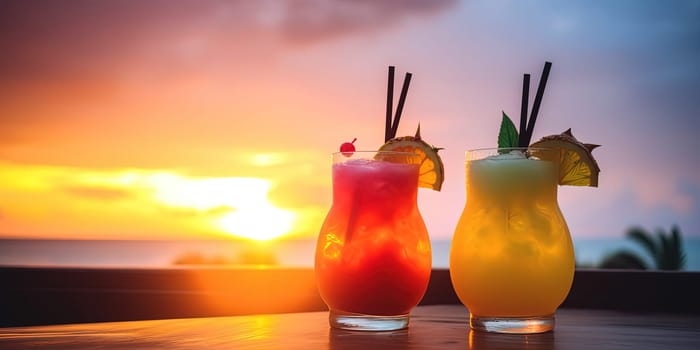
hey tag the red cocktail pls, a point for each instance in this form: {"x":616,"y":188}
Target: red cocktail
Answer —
{"x":373,"y":256}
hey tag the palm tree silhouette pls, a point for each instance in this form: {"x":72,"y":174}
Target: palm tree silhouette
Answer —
{"x":665,"y":250}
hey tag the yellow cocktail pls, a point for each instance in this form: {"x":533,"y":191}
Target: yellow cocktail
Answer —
{"x":512,"y":260}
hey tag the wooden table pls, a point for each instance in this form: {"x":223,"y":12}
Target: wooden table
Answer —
{"x":432,"y":327}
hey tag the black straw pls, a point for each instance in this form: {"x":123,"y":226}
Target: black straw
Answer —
{"x":538,"y":100}
{"x":389,"y":104}
{"x":522,"y":142}
{"x":399,"y":107}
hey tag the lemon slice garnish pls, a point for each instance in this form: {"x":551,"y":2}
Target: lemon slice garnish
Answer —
{"x":577,"y":167}
{"x":431,"y":173}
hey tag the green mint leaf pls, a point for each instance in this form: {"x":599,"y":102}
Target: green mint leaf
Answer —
{"x":508,"y":135}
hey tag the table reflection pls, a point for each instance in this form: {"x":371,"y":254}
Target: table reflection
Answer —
{"x":345,"y":340}
{"x":484,"y":340}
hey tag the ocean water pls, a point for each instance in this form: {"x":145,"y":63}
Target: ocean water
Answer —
{"x":299,"y":253}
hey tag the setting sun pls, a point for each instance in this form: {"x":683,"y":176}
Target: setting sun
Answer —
{"x":260,"y":223}
{"x":159,"y":203}
{"x":246,"y":210}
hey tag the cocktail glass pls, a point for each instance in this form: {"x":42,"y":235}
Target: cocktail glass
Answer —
{"x":511,"y":259}
{"x":373,"y":256}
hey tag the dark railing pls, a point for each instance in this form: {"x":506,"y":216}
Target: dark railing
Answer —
{"x":33,"y":296}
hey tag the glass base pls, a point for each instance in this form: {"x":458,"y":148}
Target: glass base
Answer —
{"x":514,"y":325}
{"x":360,"y":322}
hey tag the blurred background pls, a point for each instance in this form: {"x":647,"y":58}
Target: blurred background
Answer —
{"x":153,"y":133}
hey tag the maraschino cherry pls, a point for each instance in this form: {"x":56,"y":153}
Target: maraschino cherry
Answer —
{"x":348,"y":148}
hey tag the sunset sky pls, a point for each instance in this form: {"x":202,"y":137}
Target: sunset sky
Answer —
{"x":209,"y":119}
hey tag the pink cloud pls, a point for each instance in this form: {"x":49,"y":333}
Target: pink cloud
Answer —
{"x":47,"y":40}
{"x":309,"y":21}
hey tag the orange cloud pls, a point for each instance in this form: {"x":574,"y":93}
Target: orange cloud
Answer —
{"x":98,"y":192}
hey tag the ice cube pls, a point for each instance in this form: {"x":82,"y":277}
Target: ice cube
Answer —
{"x":514,"y":154}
